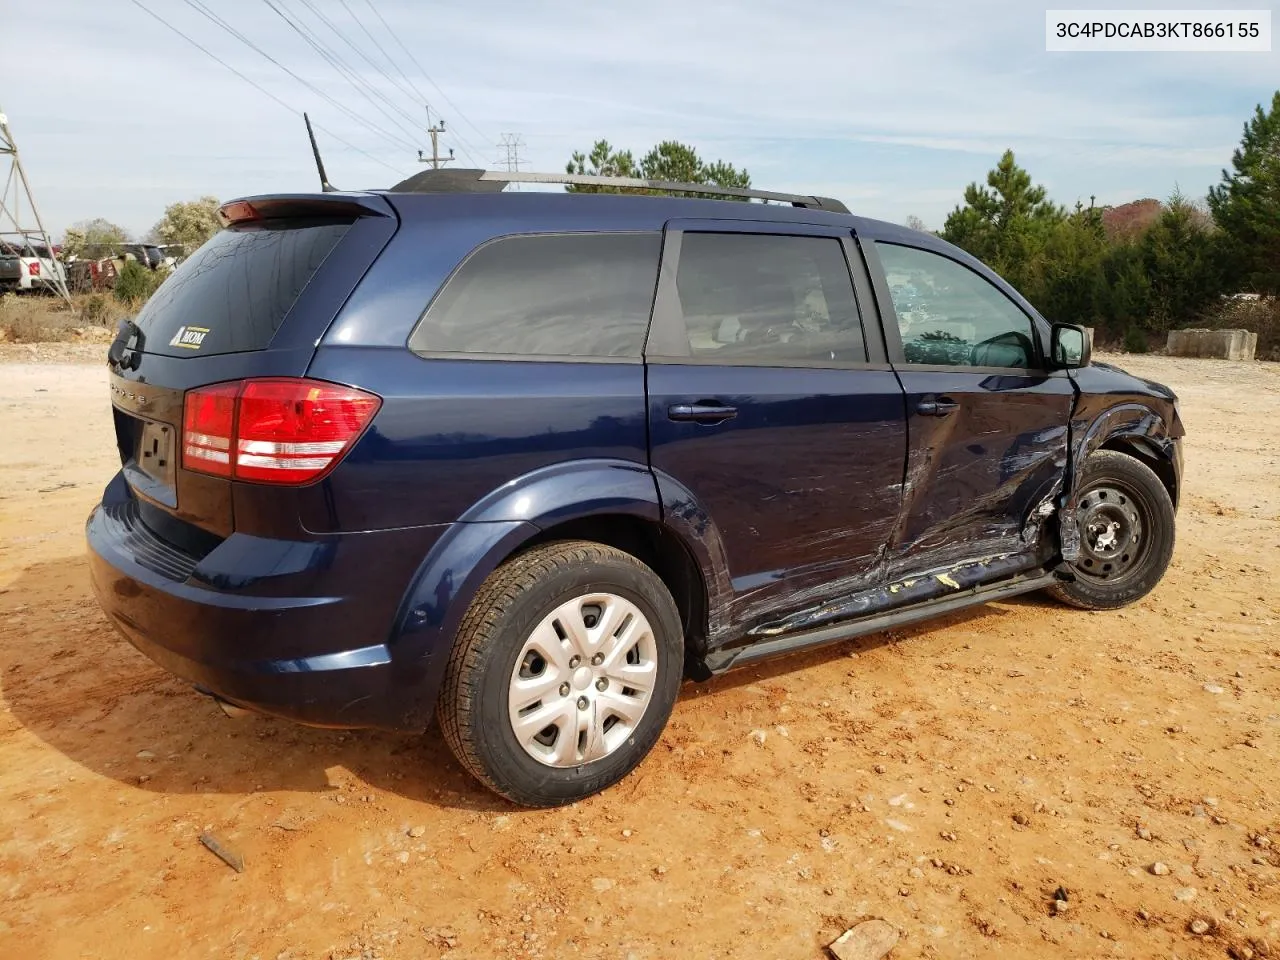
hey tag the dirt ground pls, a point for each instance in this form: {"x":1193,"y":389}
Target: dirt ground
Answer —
{"x":947,"y":778}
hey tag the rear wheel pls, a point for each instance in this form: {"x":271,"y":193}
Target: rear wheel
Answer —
{"x":564,"y":672}
{"x":1126,"y":525}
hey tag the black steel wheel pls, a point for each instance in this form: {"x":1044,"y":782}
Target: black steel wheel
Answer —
{"x":1125,"y":522}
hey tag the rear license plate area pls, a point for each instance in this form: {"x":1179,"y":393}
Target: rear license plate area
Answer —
{"x":150,"y":463}
{"x":155,"y":451}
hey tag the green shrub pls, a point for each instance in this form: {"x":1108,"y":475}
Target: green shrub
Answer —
{"x":95,"y":309}
{"x":136,"y":283}
{"x":1135,"y":340}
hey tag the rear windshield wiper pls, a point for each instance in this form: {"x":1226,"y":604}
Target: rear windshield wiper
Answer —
{"x":125,"y":352}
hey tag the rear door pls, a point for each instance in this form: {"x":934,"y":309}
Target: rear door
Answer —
{"x":770,"y":406}
{"x":987,"y":422}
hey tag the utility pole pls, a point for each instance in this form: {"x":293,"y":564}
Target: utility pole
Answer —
{"x":12,"y":228}
{"x":435,"y":159}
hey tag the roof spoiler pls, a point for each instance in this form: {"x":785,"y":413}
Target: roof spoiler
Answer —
{"x":285,"y":205}
{"x":491,"y":181}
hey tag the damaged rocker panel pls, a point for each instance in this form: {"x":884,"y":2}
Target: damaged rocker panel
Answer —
{"x":918,"y":588}
{"x":819,"y":636}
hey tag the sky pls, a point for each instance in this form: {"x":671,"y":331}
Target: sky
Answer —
{"x":891,"y":107}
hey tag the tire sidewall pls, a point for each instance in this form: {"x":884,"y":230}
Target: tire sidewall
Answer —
{"x":503,"y":756}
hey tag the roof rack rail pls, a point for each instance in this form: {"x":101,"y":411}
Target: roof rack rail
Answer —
{"x":484,"y":181}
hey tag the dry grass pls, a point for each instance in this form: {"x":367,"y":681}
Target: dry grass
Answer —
{"x":1260,"y":316}
{"x":41,"y":319}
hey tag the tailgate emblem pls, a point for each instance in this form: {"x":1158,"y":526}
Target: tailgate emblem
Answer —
{"x":137,"y":399}
{"x":192,"y":338}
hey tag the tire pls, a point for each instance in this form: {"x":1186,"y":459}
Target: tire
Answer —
{"x":528,"y":650}
{"x":1126,"y":524}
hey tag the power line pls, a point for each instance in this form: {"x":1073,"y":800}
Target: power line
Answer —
{"x":414,"y":60}
{"x":360,"y":85}
{"x":463,"y":144}
{"x":411,"y":92}
{"x":257,"y":86}
{"x":467,"y":148}
{"x":319,"y":15}
{"x":204,"y":11}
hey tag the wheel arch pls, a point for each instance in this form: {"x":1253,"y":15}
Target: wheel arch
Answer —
{"x":1133,"y":428}
{"x":1136,"y":429}
{"x":615,"y":503}
{"x":660,"y":549}
{"x":1144,"y":450}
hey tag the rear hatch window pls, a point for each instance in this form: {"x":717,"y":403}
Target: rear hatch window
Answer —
{"x":231,"y":295}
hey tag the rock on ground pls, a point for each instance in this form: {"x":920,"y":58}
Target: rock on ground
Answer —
{"x":869,"y":940}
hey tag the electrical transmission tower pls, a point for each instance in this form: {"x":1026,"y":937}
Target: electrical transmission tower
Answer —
{"x":509,"y":158}
{"x":510,"y":146}
{"x":20,"y":223}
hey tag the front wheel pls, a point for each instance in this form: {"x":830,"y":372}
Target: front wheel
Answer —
{"x":564,"y":672}
{"x":1126,"y":526}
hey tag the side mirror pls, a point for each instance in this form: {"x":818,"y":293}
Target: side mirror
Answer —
{"x":1071,"y":346}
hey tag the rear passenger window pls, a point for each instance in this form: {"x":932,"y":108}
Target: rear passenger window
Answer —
{"x":759,"y":298}
{"x":552,"y":295}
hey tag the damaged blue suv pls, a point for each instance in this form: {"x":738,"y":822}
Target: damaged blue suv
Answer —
{"x":523,"y":461}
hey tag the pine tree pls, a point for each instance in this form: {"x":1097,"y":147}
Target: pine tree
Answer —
{"x":1246,"y":205}
{"x":1072,"y":280}
{"x":1005,"y":223}
{"x":669,"y":160}
{"x":1182,"y":265}
{"x":602,"y":161}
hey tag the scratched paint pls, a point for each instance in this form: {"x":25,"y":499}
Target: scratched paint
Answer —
{"x":876,"y":599}
{"x":1114,"y":407}
{"x":965,"y":509}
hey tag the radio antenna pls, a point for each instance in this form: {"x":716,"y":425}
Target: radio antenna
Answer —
{"x":325,"y":185}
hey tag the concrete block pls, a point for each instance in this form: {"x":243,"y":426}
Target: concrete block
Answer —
{"x":1217,"y":344}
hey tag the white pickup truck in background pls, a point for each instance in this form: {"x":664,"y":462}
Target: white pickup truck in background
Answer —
{"x":29,"y":267}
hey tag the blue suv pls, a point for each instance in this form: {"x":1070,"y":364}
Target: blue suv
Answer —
{"x":523,"y":461}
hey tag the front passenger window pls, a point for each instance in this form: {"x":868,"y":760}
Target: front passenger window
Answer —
{"x":949,"y":315}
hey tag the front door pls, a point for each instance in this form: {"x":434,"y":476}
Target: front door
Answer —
{"x":987,"y":422}
{"x":766,"y":407}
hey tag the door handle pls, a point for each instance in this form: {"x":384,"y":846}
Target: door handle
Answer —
{"x":701,"y":412}
{"x":941,"y":407}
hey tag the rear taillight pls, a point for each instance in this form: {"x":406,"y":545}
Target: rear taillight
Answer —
{"x":281,"y":430}
{"x":33,"y":268}
{"x":208,"y":428}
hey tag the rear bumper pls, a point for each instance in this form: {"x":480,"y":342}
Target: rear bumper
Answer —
{"x":237,"y":623}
